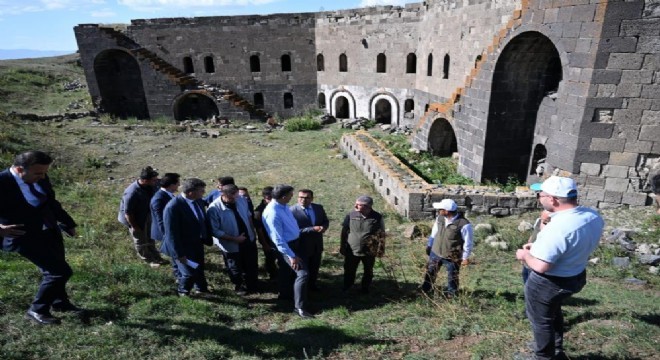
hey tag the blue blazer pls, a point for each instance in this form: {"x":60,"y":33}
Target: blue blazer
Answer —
{"x":183,"y":236}
{"x":305,"y":223}
{"x":14,"y":209}
{"x":157,"y":206}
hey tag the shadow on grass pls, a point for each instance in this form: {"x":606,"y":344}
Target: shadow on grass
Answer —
{"x":591,"y":356}
{"x":578,"y":301}
{"x":589,"y":315}
{"x":297,"y":343}
{"x":651,"y":319}
{"x":488,"y":294}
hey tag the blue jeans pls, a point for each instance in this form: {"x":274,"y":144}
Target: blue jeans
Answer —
{"x":453,"y":270}
{"x":543,"y":299}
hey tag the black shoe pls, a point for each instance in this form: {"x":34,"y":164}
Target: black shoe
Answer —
{"x":43,"y":319}
{"x":303,"y":314}
{"x":201,"y":293}
{"x":68,"y":307}
{"x":314,"y":288}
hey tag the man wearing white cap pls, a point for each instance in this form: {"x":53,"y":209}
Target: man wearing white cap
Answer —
{"x":558,"y":260}
{"x":450,"y":245}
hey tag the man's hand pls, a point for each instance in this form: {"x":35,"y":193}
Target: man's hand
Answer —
{"x":11,"y":230}
{"x":182,"y":259}
{"x":318,"y":228}
{"x":465,"y":262}
{"x":240,"y":238}
{"x":520,"y":253}
{"x":296,"y":263}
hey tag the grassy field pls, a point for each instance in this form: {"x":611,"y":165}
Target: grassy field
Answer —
{"x":135,"y":313}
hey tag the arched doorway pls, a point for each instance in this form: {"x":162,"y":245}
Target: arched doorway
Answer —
{"x":120,"y":84}
{"x":528,"y":69}
{"x":442,"y":139}
{"x":383,"y":112}
{"x":321,"y":101}
{"x":342,"y":108}
{"x":538,"y":166}
{"x":194,"y":106}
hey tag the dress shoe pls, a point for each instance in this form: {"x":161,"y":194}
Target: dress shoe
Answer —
{"x":43,"y":319}
{"x":201,"y":293}
{"x":68,"y":307}
{"x":303,"y":314}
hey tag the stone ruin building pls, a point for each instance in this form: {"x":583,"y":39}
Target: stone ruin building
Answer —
{"x":518,"y":88}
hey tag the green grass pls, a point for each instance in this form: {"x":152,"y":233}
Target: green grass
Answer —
{"x":134,"y":312}
{"x":303,"y":123}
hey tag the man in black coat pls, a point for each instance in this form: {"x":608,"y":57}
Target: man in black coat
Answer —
{"x":31,"y":224}
{"x":313,"y":222}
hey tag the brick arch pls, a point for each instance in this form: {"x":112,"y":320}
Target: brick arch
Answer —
{"x":194,"y":104}
{"x":528,"y":67}
{"x":442,"y":138}
{"x":349,"y":99}
{"x":119,"y":80}
{"x":393,"y":105}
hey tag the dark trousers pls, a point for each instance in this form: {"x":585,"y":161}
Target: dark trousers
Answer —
{"x":543,"y":299}
{"x":301,"y":278}
{"x":47,"y":253}
{"x":190,"y":277}
{"x":270,"y":259}
{"x":453,"y":270}
{"x":315,"y":256}
{"x":242,"y":266}
{"x":351,"y":263}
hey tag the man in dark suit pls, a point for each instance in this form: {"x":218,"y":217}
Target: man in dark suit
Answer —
{"x":169,"y":183}
{"x":187,"y":230}
{"x":31,"y":222}
{"x":312,"y":222}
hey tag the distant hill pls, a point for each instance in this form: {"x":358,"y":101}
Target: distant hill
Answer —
{"x":27,"y":53}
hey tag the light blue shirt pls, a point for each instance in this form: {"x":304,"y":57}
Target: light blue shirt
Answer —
{"x":281,"y":226}
{"x":25,"y":189}
{"x":567,"y":241}
{"x":467,"y":233}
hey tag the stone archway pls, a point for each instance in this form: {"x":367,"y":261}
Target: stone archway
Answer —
{"x":342,"y":105}
{"x":341,"y":108}
{"x":528,"y":68}
{"x":193,"y":106}
{"x":442,"y":139}
{"x":120,"y":84}
{"x":385,"y":109}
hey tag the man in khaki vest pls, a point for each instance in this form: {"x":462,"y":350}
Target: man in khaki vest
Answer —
{"x":449,"y":245}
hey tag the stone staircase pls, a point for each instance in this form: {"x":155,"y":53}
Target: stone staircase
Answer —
{"x":230,"y":104}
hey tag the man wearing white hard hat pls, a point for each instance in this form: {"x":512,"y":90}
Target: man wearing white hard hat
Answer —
{"x":558,"y":260}
{"x":449,"y":245}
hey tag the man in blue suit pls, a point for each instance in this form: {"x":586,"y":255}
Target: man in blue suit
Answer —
{"x":31,"y":223}
{"x":312,"y":222}
{"x":187,"y":230}
{"x":169,"y":183}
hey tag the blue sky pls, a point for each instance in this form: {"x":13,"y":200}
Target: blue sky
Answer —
{"x":48,"y":24}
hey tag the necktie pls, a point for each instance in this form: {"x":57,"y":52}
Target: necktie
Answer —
{"x":310,"y":214}
{"x":200,"y":218}
{"x":48,"y":218}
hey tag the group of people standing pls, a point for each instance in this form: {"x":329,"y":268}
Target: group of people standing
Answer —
{"x":32,"y":222}
{"x":291,"y":236}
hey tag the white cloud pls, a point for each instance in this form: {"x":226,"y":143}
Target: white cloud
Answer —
{"x":382,"y":2}
{"x":27,"y":6}
{"x":103,"y":13}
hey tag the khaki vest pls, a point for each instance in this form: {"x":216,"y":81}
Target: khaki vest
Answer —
{"x":448,"y":242}
{"x":360,"y":229}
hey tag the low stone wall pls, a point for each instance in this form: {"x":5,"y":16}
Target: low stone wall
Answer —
{"x":413,"y":197}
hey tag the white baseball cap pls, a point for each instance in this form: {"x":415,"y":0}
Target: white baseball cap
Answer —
{"x":446,"y":204}
{"x":560,"y":187}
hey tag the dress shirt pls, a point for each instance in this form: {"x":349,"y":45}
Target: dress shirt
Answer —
{"x":281,"y":226}
{"x":25,"y":189}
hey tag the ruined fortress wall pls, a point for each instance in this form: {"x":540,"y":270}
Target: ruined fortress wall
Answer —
{"x":230,"y":41}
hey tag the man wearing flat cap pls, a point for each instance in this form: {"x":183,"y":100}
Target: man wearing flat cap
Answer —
{"x":449,"y":245}
{"x":558,"y":260}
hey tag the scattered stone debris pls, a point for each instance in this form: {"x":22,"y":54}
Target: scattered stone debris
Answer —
{"x":621,"y":262}
{"x":74,"y":85}
{"x":525,"y":226}
{"x":634,"y":281}
{"x":483,"y":227}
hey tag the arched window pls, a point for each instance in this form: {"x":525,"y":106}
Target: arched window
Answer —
{"x":429,"y":65}
{"x":321,"y":101}
{"x":343,"y":63}
{"x":259,"y":100}
{"x":411,"y":63}
{"x":255,"y":64}
{"x":286,"y":62}
{"x":409,"y":105}
{"x":288,"y":100}
{"x":188,"y":65}
{"x":445,"y":67}
{"x":209,"y":66}
{"x":320,"y":63}
{"x":381,"y":63}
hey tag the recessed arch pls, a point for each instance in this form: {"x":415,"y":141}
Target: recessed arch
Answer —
{"x":285,"y":61}
{"x":539,"y":155}
{"x":120,"y":84}
{"x":321,"y":101}
{"x":527,"y":69}
{"x":442,"y":139}
{"x":343,"y":63}
{"x":384,"y":108}
{"x":193,"y":105}
{"x":429,"y":65}
{"x":381,"y":63}
{"x":445,"y":67}
{"x":342,"y":105}
{"x":255,"y":63}
{"x":411,"y":63}
{"x":209,"y":65}
{"x":259,"y":100}
{"x":188,"y":66}
{"x":320,"y":63}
